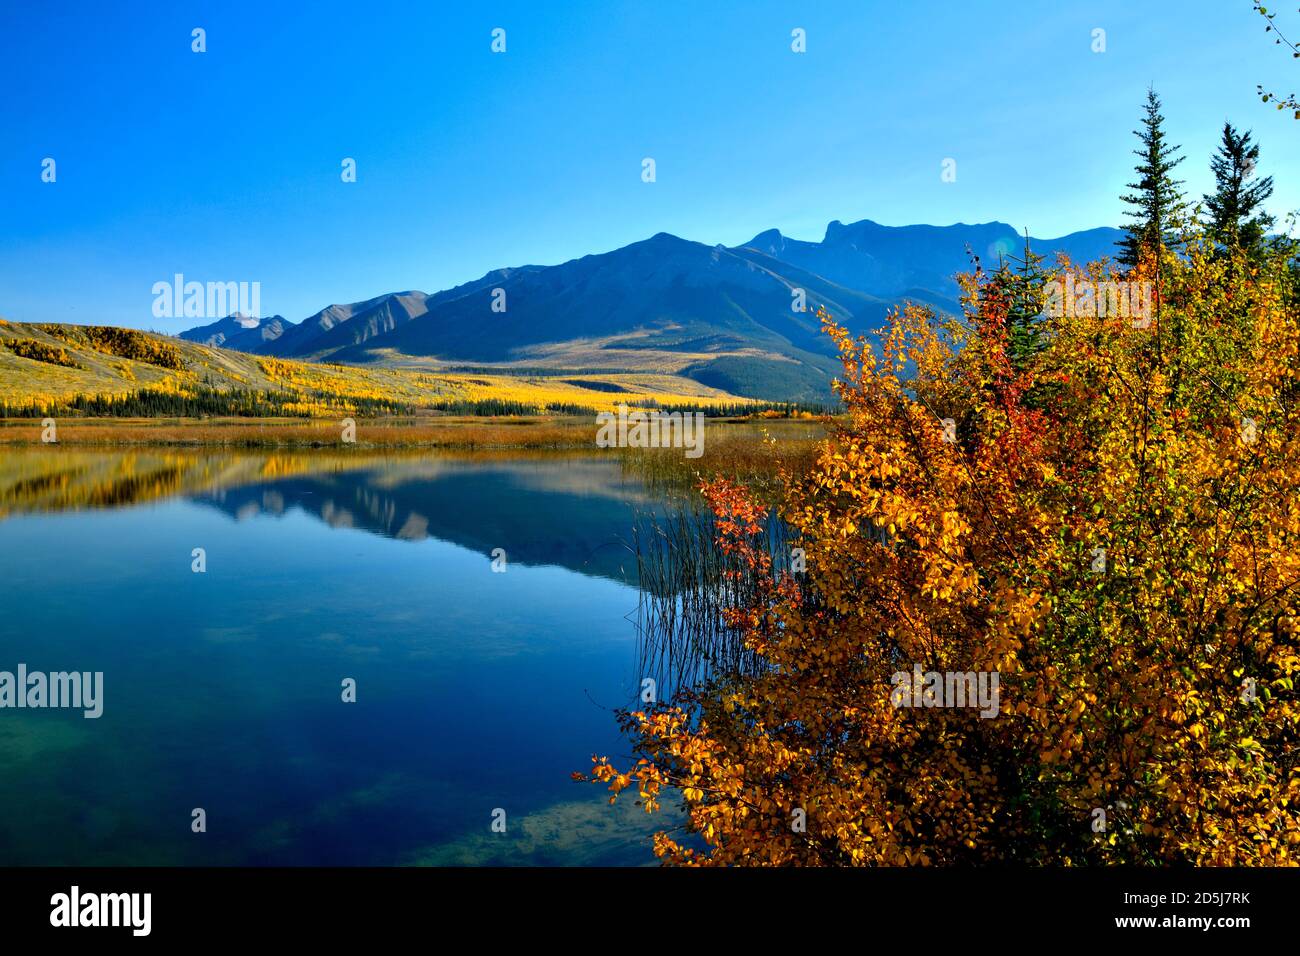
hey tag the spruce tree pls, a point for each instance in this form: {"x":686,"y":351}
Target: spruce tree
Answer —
{"x":1025,"y":288}
{"x":1234,"y":217}
{"x":1157,"y":199}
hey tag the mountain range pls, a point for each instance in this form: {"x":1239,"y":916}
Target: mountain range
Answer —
{"x":719,"y":315}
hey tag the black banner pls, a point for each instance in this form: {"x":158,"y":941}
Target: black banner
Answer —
{"x":582,"y":905}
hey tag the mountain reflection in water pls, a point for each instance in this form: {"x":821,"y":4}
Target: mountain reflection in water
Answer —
{"x":475,"y":690}
{"x":547,"y":508}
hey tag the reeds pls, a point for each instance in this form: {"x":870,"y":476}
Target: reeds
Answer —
{"x":455,"y":433}
{"x":686,"y":582}
{"x":754,"y":454}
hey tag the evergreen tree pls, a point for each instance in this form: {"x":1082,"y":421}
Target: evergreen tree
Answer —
{"x":1235,"y":218}
{"x":1157,"y":199}
{"x":1024,"y":289}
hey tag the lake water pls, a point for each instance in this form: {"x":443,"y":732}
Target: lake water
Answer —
{"x":476,"y":690}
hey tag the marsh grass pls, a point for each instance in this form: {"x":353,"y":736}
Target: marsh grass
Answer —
{"x":735,"y":449}
{"x":441,"y":432}
{"x":741,"y":450}
{"x":686,"y":582}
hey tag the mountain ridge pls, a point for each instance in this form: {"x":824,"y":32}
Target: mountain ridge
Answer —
{"x":246,"y":332}
{"x":719,"y":314}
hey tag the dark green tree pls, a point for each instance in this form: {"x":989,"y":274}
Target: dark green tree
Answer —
{"x":1156,"y":199}
{"x":1235,"y":218}
{"x":1022,"y":281}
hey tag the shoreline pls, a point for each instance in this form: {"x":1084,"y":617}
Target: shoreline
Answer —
{"x":543,"y":432}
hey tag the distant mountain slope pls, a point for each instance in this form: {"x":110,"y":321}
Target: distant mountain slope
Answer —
{"x":340,"y":326}
{"x":890,"y":260}
{"x":664,"y":303}
{"x":52,"y":366}
{"x":241,"y":332}
{"x":48,"y":362}
{"x":663,"y":292}
{"x":721,"y":316}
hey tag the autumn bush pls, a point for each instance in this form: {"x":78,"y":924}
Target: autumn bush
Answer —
{"x":124,"y":343}
{"x":40,"y":352}
{"x":1104,"y":511}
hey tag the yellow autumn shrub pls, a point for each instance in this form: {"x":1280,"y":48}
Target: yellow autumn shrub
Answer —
{"x":1093,"y":521}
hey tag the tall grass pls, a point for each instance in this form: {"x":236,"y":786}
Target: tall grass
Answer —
{"x":742,"y":451}
{"x":686,"y":582}
{"x":272,"y":433}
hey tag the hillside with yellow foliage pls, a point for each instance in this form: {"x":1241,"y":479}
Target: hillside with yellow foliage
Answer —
{"x":50,"y":369}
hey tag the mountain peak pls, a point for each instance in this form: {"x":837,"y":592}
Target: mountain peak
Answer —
{"x":834,"y":229}
{"x":769,"y":241}
{"x":238,"y":331}
{"x":661,"y":243}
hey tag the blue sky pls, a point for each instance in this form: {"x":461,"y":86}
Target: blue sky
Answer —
{"x":225,"y":165}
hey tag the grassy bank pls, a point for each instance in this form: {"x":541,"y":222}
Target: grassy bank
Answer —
{"x":449,"y":432}
{"x":735,"y":448}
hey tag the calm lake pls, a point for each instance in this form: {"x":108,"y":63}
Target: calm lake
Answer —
{"x":477,"y":690}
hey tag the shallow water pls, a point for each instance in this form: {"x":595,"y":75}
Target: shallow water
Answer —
{"x":476,"y":690}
